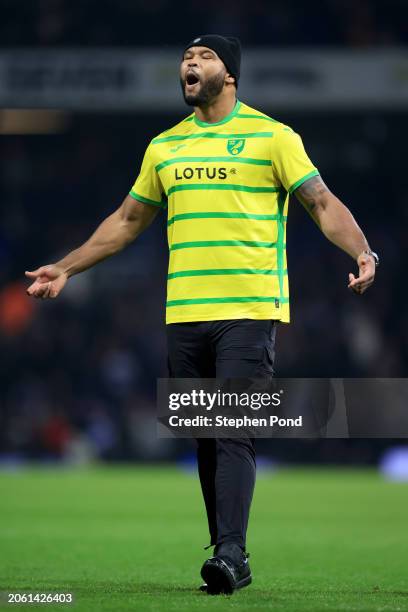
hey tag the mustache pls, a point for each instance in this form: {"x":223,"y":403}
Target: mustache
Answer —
{"x":209,"y":89}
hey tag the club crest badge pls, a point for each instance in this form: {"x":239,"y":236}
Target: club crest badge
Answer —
{"x":236,"y":145}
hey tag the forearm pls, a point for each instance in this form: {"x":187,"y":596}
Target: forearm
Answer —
{"x":109,"y":238}
{"x":112,"y":235}
{"x":332,"y":216}
{"x":339,"y":226}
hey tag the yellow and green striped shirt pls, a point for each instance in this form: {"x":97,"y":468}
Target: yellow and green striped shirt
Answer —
{"x":226,"y":187}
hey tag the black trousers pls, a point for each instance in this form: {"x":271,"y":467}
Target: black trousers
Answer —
{"x":224,"y":349}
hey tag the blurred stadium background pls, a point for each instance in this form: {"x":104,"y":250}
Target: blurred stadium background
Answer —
{"x":83,"y":88}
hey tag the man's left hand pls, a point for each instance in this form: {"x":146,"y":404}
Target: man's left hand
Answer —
{"x":366,"y":274}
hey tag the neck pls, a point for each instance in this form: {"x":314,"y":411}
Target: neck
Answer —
{"x":216,"y":110}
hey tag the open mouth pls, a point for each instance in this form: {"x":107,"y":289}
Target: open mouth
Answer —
{"x":192,"y":79}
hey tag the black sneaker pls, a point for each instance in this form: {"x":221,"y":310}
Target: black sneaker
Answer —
{"x":227,"y":570}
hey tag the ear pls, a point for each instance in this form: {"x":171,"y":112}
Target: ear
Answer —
{"x":229,"y":79}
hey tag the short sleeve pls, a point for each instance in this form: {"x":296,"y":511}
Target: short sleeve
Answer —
{"x":290,"y":161}
{"x":147,"y":187}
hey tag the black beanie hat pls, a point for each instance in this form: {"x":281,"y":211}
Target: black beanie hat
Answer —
{"x":228,"y":49}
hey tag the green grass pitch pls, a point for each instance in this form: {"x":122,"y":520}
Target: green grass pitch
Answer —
{"x":132,"y":538}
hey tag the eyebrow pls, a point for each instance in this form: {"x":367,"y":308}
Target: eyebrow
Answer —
{"x":204,"y":50}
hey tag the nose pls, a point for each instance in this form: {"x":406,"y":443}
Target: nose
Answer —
{"x":191,"y":63}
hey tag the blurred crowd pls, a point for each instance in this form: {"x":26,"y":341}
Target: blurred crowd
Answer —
{"x":159,"y":22}
{"x":78,"y":374}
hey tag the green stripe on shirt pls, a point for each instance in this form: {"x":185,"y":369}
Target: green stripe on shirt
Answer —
{"x":211,"y":135}
{"x":222,"y":243}
{"x":137,"y":196}
{"x":222,"y":215}
{"x":302,"y":180}
{"x":251,"y":116}
{"x":221,"y":187}
{"x":222,"y":272}
{"x":226,"y":300}
{"x":281,"y":234}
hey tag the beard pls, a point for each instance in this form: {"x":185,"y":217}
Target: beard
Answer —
{"x":209,"y":90}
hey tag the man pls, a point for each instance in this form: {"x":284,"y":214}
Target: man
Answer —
{"x":225,"y":173}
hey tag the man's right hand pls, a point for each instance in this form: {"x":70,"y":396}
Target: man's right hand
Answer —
{"x":48,"y":281}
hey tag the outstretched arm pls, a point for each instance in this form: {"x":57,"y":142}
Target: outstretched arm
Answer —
{"x":112,"y":235}
{"x":339,"y":226}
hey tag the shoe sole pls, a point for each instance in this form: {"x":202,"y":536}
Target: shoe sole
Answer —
{"x":220,"y":580}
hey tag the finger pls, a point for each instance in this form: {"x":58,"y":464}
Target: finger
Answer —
{"x":46,"y":293}
{"x":40,"y":289}
{"x":39,"y":293}
{"x":366,"y":285}
{"x":354,"y":283}
{"x":33,"y":274}
{"x":366,"y":276}
{"x":362,"y":286}
{"x":363,"y":280}
{"x":57,"y":285}
{"x":32,"y":288}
